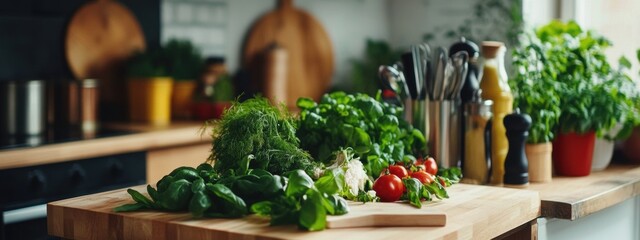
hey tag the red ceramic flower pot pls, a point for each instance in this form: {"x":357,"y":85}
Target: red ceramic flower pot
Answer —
{"x":219,"y":107}
{"x":206,"y":110}
{"x":572,"y":154}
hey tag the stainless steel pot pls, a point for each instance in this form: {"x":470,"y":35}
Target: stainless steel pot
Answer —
{"x":22,"y":108}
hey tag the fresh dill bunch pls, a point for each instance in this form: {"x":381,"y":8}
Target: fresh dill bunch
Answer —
{"x":255,"y":127}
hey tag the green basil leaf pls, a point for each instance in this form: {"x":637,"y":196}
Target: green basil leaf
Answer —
{"x":262,"y":208}
{"x":331,"y":182}
{"x":335,"y":205}
{"x":414,"y":191}
{"x":305,"y":103}
{"x":313,"y":215}
{"x":437,"y":189}
{"x":299,"y":183}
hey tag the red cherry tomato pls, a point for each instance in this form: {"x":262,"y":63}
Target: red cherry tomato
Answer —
{"x":430,"y":166}
{"x":397,"y":170}
{"x":423,"y":177}
{"x":388,"y":188}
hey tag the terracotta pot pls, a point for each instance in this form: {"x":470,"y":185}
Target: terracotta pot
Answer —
{"x":540,"y":166}
{"x":572,"y":154}
{"x":631,"y":146}
{"x":150,"y":100}
{"x":182,"y":99}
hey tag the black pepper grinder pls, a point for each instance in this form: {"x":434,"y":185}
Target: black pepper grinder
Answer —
{"x":516,"y":167}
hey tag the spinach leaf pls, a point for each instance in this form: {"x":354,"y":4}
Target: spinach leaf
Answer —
{"x":233,"y":206}
{"x":197,"y":185}
{"x":177,"y":196}
{"x":129,"y":207}
{"x":152,"y":193}
{"x":199,"y":203}
{"x":139,"y":198}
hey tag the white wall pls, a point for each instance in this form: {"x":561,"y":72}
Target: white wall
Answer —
{"x":348,"y":22}
{"x":411,"y":19}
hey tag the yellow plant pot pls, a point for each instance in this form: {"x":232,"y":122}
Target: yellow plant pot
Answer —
{"x":181,"y":99}
{"x":539,"y":156}
{"x":150,"y":100}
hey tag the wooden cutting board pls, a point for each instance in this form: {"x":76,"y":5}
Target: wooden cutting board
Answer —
{"x":100,"y":37}
{"x":309,"y":64}
{"x":387,"y":215}
{"x":472,"y":212}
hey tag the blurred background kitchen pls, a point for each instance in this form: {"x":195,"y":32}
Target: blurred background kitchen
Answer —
{"x":136,"y":79}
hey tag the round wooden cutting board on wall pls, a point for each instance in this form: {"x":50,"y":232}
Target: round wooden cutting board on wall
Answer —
{"x":309,"y":53}
{"x":100,"y":37}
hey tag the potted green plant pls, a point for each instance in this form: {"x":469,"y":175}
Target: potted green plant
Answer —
{"x":215,"y":91}
{"x":532,"y":87}
{"x":149,"y":88}
{"x":184,"y":63}
{"x":588,"y":87}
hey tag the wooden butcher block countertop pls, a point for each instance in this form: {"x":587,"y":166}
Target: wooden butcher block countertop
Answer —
{"x":473,"y":212}
{"x":575,"y":197}
{"x":141,"y":138}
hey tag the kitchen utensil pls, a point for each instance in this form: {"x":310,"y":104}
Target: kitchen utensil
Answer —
{"x":460,"y":68}
{"x":390,"y":80}
{"x":439,"y":114}
{"x":471,"y":83}
{"x":100,"y":37}
{"x":410,"y":74}
{"x":438,"y":89}
{"x":387,"y":215}
{"x":23,"y":111}
{"x":420,"y":53}
{"x":310,"y":54}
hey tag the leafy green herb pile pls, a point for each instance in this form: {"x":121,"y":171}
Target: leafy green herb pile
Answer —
{"x":206,"y":193}
{"x":375,"y":130}
{"x":257,"y":128}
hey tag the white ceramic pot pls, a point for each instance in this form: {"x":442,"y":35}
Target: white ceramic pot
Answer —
{"x":603,"y":150}
{"x":602,"y":153}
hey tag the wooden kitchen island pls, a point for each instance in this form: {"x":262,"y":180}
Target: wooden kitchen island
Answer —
{"x":473,"y":212}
